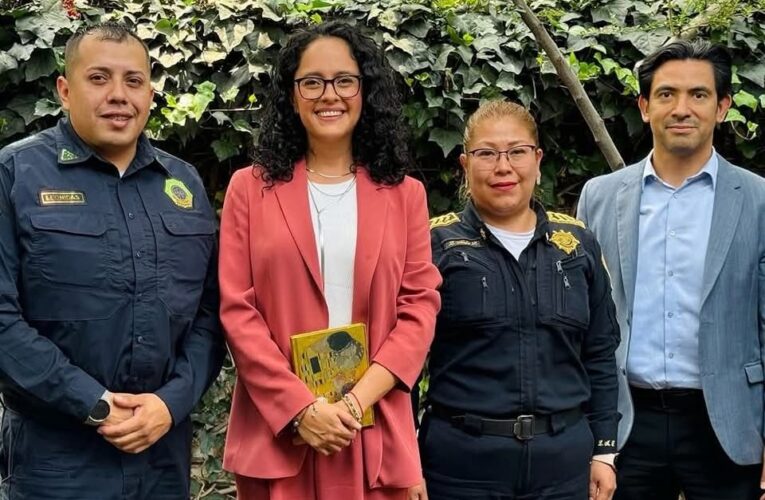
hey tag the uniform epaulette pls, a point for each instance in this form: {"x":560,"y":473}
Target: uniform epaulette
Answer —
{"x":564,"y":219}
{"x":444,"y":220}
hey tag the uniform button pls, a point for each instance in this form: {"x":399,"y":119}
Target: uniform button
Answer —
{"x":672,"y":233}
{"x":670,"y":273}
{"x":671,"y":355}
{"x":670,"y":314}
{"x":138,"y":254}
{"x":140,"y":296}
{"x":140,"y":339}
{"x":675,"y":196}
{"x":131,"y":215}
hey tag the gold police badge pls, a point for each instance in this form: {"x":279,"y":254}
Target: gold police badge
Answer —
{"x":564,"y":240}
{"x":177,"y":191}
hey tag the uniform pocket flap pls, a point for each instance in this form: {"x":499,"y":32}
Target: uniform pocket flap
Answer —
{"x":72,"y":223}
{"x":754,"y":372}
{"x":187,"y":224}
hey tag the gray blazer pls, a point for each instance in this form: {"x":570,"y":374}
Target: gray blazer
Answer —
{"x":732,"y":321}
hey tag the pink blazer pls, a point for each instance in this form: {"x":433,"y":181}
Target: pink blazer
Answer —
{"x":271,"y":289}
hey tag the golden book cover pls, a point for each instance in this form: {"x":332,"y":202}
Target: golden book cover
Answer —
{"x":331,"y":361}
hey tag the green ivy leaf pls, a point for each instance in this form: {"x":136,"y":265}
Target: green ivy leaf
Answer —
{"x":754,"y":73}
{"x":447,"y":140}
{"x":165,"y":26}
{"x":232,"y":35}
{"x":7,"y":62}
{"x":735,"y":115}
{"x":744,"y":98}
{"x":21,"y":52}
{"x":41,"y":64}
{"x":224,"y":149}
{"x":229,"y":95}
{"x":46,"y":107}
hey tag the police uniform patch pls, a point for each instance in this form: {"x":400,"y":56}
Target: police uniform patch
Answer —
{"x":177,"y":191}
{"x":464,"y":243}
{"x":564,"y":219}
{"x":55,"y":197}
{"x":66,"y":155}
{"x":444,"y":220}
{"x":564,"y":240}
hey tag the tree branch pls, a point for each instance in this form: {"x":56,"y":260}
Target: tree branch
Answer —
{"x":569,"y":79}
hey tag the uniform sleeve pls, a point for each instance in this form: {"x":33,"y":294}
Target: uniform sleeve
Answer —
{"x":29,"y":361}
{"x":201,"y":355}
{"x":403,"y":351}
{"x":598,"y":354}
{"x":277,"y":393}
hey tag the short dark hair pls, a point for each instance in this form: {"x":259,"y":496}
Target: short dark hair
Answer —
{"x":380,"y":137}
{"x":111,"y":30}
{"x":717,"y":55}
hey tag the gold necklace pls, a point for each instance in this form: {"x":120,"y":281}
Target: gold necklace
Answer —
{"x":329,"y":176}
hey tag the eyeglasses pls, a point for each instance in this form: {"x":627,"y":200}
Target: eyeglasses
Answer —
{"x":517,"y":156}
{"x":312,"y":87}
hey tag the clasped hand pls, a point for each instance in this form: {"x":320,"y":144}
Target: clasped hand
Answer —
{"x":327,"y":428}
{"x":136,"y":421}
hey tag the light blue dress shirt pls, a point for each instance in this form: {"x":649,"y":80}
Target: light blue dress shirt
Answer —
{"x":672,"y":246}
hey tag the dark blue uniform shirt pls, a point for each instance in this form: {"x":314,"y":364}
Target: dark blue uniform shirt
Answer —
{"x":105,"y":282}
{"x":534,"y":335}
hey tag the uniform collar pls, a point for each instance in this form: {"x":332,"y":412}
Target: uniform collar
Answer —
{"x":471,"y":217}
{"x":72,"y":150}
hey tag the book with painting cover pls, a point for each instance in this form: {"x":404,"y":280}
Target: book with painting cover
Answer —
{"x":331,"y":361}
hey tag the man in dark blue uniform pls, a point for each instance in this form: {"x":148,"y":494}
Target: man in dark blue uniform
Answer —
{"x":109,"y":331}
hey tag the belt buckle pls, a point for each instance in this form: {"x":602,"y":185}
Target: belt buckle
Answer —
{"x":523,"y":428}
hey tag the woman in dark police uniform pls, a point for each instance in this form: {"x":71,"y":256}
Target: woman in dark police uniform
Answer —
{"x":522,"y":395}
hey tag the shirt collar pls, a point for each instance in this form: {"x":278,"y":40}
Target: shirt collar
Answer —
{"x":470,"y":216}
{"x":72,"y":150}
{"x":709,"y":169}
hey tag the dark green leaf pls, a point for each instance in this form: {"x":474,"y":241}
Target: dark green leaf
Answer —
{"x":447,"y":140}
{"x":41,"y":64}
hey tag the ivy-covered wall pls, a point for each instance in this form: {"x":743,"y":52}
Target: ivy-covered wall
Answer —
{"x":211,"y":60}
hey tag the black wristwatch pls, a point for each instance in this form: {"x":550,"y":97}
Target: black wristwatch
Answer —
{"x":100,"y":412}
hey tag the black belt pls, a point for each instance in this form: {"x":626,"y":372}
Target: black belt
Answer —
{"x":668,"y":398}
{"x":522,"y":427}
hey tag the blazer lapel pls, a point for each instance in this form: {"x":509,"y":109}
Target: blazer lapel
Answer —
{"x":372,"y":208}
{"x":725,"y":215}
{"x":627,"y":226}
{"x":293,"y":201}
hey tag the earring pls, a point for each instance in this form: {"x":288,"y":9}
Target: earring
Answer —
{"x":539,"y":180}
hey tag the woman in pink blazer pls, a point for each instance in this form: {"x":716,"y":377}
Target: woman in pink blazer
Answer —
{"x":326,"y":230}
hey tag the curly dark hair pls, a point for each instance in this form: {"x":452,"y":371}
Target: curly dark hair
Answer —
{"x":380,"y":137}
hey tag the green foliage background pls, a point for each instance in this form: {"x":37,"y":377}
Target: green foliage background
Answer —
{"x":211,"y":60}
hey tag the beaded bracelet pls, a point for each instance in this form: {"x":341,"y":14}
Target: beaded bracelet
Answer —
{"x":352,"y":408}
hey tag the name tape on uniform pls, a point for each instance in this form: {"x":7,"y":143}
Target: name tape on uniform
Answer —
{"x":464,"y":243}
{"x":56,"y":197}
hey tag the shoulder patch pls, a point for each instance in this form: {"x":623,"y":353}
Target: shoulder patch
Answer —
{"x":444,"y":220}
{"x":564,"y":219}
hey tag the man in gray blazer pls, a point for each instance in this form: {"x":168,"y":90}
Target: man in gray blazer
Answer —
{"x":683,"y":233}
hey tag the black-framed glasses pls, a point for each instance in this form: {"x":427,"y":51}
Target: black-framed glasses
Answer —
{"x":313,"y":87}
{"x":518,"y":156}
